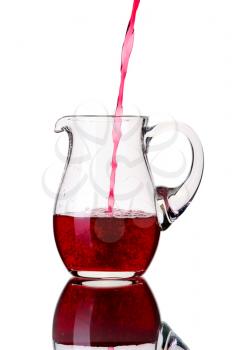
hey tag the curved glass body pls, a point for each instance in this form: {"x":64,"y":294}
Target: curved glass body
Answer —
{"x":96,"y":242}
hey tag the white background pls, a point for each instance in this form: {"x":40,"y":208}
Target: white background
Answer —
{"x":57,"y":55}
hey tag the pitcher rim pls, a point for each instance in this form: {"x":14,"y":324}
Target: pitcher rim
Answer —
{"x":130,"y":116}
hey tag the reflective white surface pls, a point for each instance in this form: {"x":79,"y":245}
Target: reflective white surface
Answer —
{"x":52,"y":63}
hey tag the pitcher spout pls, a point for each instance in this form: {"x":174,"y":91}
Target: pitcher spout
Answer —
{"x":63,"y":124}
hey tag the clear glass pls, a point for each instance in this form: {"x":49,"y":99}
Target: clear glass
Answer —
{"x":108,"y":315}
{"x":92,"y":241}
{"x":169,"y":340}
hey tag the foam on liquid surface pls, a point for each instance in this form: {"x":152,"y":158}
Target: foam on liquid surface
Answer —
{"x":116,"y":213}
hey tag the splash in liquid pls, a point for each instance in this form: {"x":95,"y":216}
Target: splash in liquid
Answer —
{"x":116,"y":133}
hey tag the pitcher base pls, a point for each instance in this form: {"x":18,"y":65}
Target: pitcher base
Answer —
{"x":105,"y":274}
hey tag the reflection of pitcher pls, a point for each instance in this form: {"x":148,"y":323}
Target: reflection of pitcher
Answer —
{"x":110,"y":314}
{"x":92,"y":241}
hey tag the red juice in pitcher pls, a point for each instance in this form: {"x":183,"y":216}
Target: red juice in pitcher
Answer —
{"x":122,"y":242}
{"x":113,"y":242}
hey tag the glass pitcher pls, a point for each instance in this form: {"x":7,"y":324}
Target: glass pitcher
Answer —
{"x":120,"y":243}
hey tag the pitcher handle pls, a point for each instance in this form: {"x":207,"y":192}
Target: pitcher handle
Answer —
{"x":174,"y":201}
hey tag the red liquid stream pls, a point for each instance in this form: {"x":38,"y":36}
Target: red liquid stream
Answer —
{"x":116,"y":133}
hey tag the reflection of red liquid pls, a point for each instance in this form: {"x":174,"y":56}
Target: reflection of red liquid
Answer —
{"x":106,"y":316}
{"x":107,"y":243}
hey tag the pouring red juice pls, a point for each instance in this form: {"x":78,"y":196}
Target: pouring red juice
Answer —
{"x":116,"y":133}
{"x":114,"y":240}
